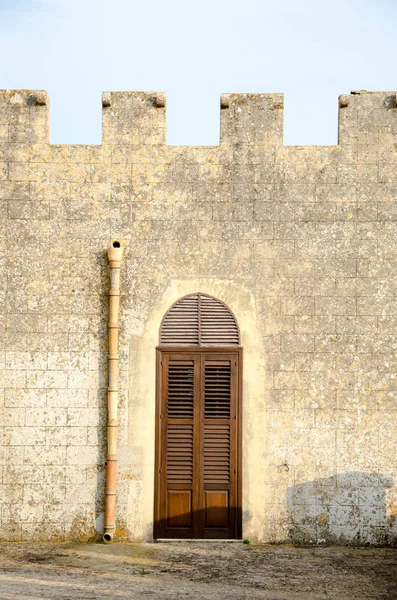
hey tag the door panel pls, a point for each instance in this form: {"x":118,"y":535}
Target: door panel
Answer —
{"x":216,"y":509}
{"x":197,"y":446}
{"x":179,"y":509}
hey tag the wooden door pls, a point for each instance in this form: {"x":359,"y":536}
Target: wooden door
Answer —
{"x":197,"y":445}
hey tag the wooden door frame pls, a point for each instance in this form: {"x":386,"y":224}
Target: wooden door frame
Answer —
{"x":157,"y":462}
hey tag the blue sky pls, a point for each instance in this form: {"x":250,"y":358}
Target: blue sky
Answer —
{"x":311,"y":50}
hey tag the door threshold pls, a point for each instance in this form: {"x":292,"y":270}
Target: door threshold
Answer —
{"x":190,"y":541}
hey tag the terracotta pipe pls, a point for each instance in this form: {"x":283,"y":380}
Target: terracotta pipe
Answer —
{"x":115,"y":254}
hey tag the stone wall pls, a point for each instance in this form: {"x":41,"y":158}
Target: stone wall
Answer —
{"x":301,"y":242}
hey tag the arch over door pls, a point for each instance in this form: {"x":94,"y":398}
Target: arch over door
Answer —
{"x":198,"y":432}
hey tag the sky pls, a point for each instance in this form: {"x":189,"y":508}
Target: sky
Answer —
{"x":310,"y":50}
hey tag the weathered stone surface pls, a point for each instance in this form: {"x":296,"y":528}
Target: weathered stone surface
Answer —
{"x":300,"y":242}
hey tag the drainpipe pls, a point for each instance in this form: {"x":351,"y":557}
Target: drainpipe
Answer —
{"x":115,"y":254}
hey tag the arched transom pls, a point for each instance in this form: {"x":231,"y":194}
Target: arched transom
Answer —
{"x":199,"y":320}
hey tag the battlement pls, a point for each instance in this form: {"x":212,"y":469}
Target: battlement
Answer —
{"x":134,"y":118}
{"x":367,"y":118}
{"x":252,"y":119}
{"x":24,"y":116}
{"x":139,"y":118}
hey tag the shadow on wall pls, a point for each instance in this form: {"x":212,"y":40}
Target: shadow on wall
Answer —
{"x":348,"y":509}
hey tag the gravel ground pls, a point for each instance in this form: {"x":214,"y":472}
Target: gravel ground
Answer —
{"x":195,"y":570}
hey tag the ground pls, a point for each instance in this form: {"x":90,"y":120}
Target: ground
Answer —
{"x":195,"y":570}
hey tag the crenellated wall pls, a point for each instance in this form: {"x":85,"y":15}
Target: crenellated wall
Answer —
{"x":300,"y":242}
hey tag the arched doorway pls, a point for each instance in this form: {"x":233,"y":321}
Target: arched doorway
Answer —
{"x":198,"y":422}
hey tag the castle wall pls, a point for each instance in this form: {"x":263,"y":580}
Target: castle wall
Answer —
{"x":300,"y":242}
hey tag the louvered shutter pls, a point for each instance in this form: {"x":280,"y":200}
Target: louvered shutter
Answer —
{"x":179,"y":453}
{"x":219,"y":434}
{"x":180,"y":390}
{"x":217,"y":389}
{"x":180,"y":411}
{"x":199,"y":320}
{"x":179,"y":434}
{"x":217,"y":454}
{"x":198,"y":445}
